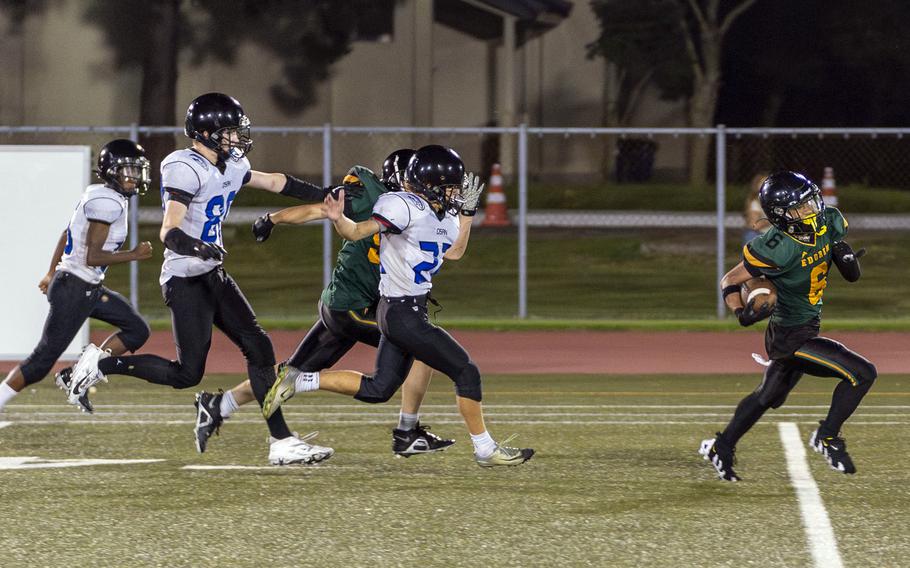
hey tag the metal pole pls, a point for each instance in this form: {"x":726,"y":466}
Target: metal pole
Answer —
{"x":721,"y":213}
{"x":134,"y":233}
{"x":523,"y":221}
{"x":326,"y":224}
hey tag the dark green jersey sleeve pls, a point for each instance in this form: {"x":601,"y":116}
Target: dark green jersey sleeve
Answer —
{"x":771,"y":254}
{"x":836,"y":223}
{"x":362,"y":205}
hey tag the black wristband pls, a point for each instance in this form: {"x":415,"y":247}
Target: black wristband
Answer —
{"x":302,"y":190}
{"x":469,"y":212}
{"x":180,"y":242}
{"x":731,"y":289}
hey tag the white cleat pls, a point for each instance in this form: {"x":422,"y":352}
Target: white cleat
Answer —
{"x":85,"y":374}
{"x":294,"y":450}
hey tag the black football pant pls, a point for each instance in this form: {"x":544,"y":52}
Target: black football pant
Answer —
{"x":817,"y":356}
{"x":72,"y":300}
{"x":332,"y":336}
{"x":407,"y":334}
{"x":197,"y":303}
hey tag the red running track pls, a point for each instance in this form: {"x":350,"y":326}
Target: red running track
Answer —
{"x":527,"y":352}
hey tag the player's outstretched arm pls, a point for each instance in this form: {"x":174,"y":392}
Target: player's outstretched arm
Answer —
{"x":286,"y":185}
{"x":334,"y":211}
{"x":298,"y":215}
{"x":95,"y":255}
{"x":471,"y":189}
{"x":55,"y":260}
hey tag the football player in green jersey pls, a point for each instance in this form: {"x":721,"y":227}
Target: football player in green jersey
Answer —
{"x":347,"y":311}
{"x":796,"y":255}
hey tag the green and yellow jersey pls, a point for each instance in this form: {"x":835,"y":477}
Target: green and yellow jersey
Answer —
{"x":798,"y":270}
{"x":355,"y":279}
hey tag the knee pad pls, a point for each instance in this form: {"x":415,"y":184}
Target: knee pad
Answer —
{"x":373,"y":391}
{"x":186,"y":378}
{"x":775,"y":386}
{"x":467,"y":382}
{"x":258,"y":350}
{"x":866,"y":374}
{"x":135,"y":337}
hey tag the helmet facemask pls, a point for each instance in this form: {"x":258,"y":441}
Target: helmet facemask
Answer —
{"x":232,"y":142}
{"x":805,"y":219}
{"x":129,"y":176}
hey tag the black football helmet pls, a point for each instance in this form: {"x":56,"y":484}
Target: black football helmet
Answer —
{"x":122,"y":162}
{"x":394,"y":165}
{"x":222,"y":117}
{"x":793,"y":204}
{"x":436,"y":173}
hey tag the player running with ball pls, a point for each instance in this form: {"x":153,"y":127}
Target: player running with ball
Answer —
{"x":796,"y":255}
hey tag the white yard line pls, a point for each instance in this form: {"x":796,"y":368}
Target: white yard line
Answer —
{"x":5,"y":424}
{"x":16,"y":406}
{"x":822,"y":543}
{"x":385,"y":421}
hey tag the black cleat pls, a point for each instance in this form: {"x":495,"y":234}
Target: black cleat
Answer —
{"x":834,"y":448}
{"x":407,"y":443}
{"x":208,"y":418}
{"x":62,"y":379}
{"x":721,"y":455}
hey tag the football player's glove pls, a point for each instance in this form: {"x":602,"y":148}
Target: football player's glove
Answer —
{"x":847,"y":260}
{"x":749,"y":315}
{"x":262,"y":228}
{"x":471,"y":190}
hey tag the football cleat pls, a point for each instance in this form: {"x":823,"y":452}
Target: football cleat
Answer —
{"x":721,"y":456}
{"x":63,"y":379}
{"x":294,"y":450}
{"x":85,"y":374}
{"x":504,"y":455}
{"x":408,"y":443}
{"x":208,"y":418}
{"x":281,"y":391}
{"x":834,"y":448}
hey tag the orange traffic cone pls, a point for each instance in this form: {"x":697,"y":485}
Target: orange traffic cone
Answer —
{"x":495,"y":213}
{"x":829,"y":188}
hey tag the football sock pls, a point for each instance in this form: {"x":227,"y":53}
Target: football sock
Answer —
{"x":747,"y":414}
{"x":306,"y":382}
{"x":228,"y":404}
{"x":407,"y":421}
{"x":843,"y":403}
{"x":484,"y":446}
{"x":6,"y":394}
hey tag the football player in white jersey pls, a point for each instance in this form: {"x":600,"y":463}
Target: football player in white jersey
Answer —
{"x":420,"y":229}
{"x":347,"y":306}
{"x":198,"y":185}
{"x":73,"y":284}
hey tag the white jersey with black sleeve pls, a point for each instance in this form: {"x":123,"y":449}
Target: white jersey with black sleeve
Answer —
{"x":413,"y":243}
{"x":99,"y":204}
{"x":207,"y":190}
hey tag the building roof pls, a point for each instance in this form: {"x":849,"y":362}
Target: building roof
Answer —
{"x":483,"y":18}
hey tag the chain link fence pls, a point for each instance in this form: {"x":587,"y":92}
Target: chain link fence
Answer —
{"x":606,"y":223}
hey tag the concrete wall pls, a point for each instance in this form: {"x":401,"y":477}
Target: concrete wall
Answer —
{"x":58,"y":72}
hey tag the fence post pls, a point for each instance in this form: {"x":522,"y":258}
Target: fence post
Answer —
{"x":523,"y":221}
{"x":134,"y":233}
{"x":326,"y":224}
{"x":721,"y":214}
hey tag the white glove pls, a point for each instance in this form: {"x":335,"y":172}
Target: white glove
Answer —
{"x":471,"y":189}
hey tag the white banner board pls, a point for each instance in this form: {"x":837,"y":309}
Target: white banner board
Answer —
{"x":40,"y":187}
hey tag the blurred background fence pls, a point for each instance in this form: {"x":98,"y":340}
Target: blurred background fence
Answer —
{"x":605,"y":223}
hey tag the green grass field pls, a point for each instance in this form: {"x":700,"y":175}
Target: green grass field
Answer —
{"x":572,"y":274}
{"x":616,"y":481}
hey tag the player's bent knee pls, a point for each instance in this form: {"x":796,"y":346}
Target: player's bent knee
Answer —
{"x":135,"y":336}
{"x":187,"y":378}
{"x":866,"y":374}
{"x":258,"y":350}
{"x":376,"y":390}
{"x":468,"y":383}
